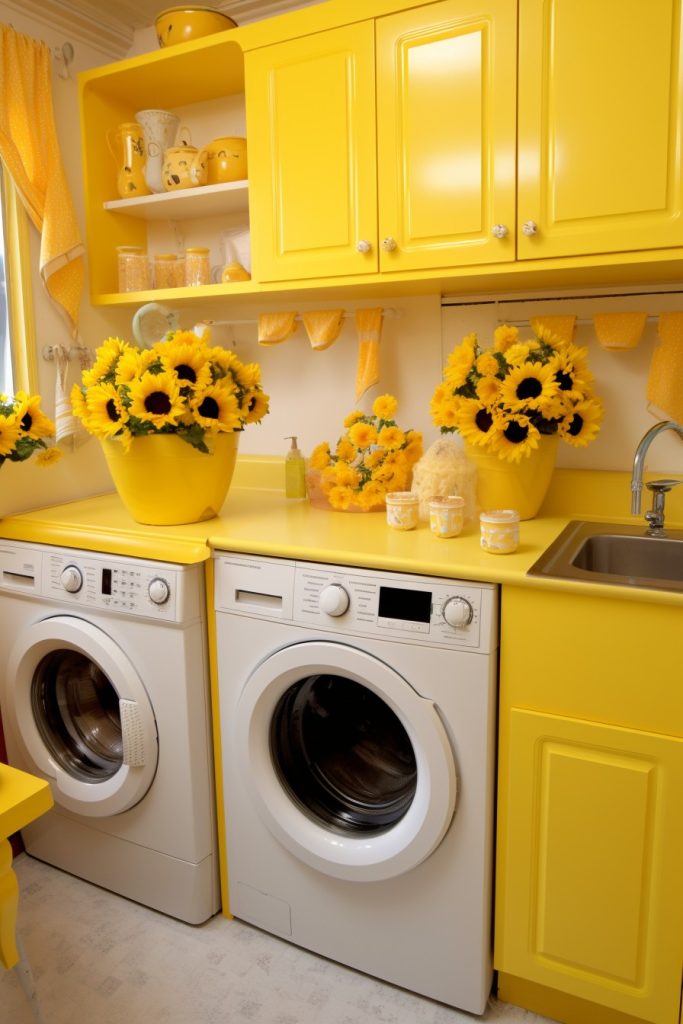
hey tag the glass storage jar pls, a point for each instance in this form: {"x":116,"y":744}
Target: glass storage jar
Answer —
{"x":197,"y":269}
{"x":133,"y":268}
{"x":168,"y":271}
{"x":446,"y":515}
{"x":499,"y":531}
{"x":402,"y":510}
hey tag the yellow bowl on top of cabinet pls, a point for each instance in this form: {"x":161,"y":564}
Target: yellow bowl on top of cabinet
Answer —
{"x":180,"y":24}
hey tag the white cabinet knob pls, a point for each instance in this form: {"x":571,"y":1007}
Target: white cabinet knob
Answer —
{"x":457,"y":611}
{"x":363,"y":245}
{"x":158,"y":590}
{"x":529,"y":227}
{"x":389,"y":244}
{"x":333,"y":600}
{"x":72,"y":579}
{"x":499,"y":231}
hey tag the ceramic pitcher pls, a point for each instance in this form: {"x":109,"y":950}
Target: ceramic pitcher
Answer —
{"x":160,"y":129}
{"x":127,"y":145}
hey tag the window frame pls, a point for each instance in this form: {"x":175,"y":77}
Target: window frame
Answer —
{"x":19,"y":290}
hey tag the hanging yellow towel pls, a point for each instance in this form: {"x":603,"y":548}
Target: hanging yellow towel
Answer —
{"x":561,"y":326}
{"x":619,"y":330}
{"x":30,"y":151}
{"x":323,"y":327}
{"x":665,"y":380}
{"x":274,"y":328}
{"x":369,"y":327}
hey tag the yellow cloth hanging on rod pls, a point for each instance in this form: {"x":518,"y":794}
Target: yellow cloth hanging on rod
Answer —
{"x":274,"y":328}
{"x":323,"y":327}
{"x":29,"y":148}
{"x":665,"y":380}
{"x":619,"y":330}
{"x":369,"y":327}
{"x":562,"y":326}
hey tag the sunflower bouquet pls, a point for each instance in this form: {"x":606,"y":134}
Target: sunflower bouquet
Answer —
{"x":23,"y":429}
{"x":504,"y":399}
{"x":181,"y":385}
{"x":373,"y":457}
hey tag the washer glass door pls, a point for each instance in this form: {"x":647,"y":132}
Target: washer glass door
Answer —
{"x":347,"y":765}
{"x":81,"y":716}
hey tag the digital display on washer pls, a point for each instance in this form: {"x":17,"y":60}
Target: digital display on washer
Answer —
{"x":106,"y":581}
{"x":408,"y":605}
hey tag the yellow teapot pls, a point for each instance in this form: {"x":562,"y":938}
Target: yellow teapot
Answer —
{"x":223,"y":159}
{"x":177,"y":169}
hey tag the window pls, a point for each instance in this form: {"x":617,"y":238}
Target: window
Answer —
{"x":18,"y":369}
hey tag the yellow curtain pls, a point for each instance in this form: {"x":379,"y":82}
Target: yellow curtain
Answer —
{"x":30,"y":151}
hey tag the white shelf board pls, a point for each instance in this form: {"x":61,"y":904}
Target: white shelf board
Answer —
{"x":186,"y":203}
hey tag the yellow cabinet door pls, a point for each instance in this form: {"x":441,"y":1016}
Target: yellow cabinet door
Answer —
{"x":590,"y":889}
{"x":600,"y":127}
{"x":312,"y":160}
{"x":446,"y":96}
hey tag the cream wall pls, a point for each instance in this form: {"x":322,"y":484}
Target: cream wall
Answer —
{"x":311,"y":392}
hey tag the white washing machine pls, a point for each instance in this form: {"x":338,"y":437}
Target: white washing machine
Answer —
{"x":104,"y":691}
{"x":357,"y":718}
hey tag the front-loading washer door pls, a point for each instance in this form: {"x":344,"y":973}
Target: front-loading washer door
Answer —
{"x":82,"y":715}
{"x":348,"y":766}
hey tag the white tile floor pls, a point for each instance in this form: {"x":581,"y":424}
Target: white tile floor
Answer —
{"x":99,"y":958}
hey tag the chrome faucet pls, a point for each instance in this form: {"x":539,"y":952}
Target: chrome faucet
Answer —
{"x":659,"y":488}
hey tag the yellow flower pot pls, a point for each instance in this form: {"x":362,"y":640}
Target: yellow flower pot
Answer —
{"x":163,"y":481}
{"x":519,"y":485}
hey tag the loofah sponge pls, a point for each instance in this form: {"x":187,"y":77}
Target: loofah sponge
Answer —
{"x":445,"y":469}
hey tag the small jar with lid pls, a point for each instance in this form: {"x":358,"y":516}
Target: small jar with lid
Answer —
{"x":197,"y":269}
{"x":133,"y":268}
{"x":166,"y":270}
{"x":446,"y":515}
{"x":499,"y":531}
{"x":402,"y":510}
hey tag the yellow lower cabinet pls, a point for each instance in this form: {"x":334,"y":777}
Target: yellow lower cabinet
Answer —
{"x":590,"y":849}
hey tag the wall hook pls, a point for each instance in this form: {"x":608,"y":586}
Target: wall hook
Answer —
{"x":64,"y":55}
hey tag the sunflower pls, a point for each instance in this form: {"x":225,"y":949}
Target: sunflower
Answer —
{"x":216,"y":408}
{"x":582,"y":423}
{"x":444,"y":408}
{"x":254,"y":406}
{"x":384,"y":407}
{"x":131,"y":364}
{"x":504,"y":336}
{"x":10,"y":432}
{"x":105,"y":411}
{"x":155,"y":399}
{"x":516,"y":438}
{"x":32,"y":420}
{"x":527,"y":387}
{"x":475,"y":422}
{"x":248,"y":375}
{"x":106,"y":359}
{"x":459,"y":364}
{"x":186,"y":362}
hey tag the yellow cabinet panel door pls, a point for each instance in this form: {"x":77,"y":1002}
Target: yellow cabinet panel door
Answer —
{"x":312,"y":160}
{"x":590,"y":886}
{"x":600,"y":126}
{"x":446,"y":94}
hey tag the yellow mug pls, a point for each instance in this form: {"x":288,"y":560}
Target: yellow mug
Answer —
{"x":222,"y":160}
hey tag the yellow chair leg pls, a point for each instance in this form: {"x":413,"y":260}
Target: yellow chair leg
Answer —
{"x":9,"y":901}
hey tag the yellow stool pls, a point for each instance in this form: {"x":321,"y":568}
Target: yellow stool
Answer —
{"x":23,"y":798}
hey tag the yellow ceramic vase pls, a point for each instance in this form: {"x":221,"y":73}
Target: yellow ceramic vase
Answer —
{"x":519,"y":485}
{"x":164,"y":481}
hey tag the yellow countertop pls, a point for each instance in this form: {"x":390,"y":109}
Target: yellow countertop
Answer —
{"x":257,"y":519}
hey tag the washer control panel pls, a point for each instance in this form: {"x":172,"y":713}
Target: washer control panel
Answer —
{"x":417,"y":609}
{"x":131,"y":586}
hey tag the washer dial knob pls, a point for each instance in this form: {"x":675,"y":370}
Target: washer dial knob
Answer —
{"x":333,"y":600}
{"x":72,"y":579}
{"x":158,"y":590}
{"x":458,"y":612}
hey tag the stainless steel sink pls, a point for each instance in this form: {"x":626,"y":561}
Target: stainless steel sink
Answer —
{"x":620,"y":555}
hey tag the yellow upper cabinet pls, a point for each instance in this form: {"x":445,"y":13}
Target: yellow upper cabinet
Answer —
{"x":446,"y":85}
{"x":311,"y":131}
{"x":600,"y":127}
{"x":438,"y":159}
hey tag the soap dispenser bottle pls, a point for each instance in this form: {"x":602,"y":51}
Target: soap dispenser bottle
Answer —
{"x":295,"y":471}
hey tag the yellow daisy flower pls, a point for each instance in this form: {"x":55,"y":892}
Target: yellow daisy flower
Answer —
{"x":504,"y":336}
{"x":414,"y":447}
{"x":320,"y":456}
{"x":353,"y":417}
{"x":345,"y":475}
{"x":340,"y":497}
{"x":46,"y":456}
{"x":155,"y":399}
{"x":384,"y":407}
{"x":362,"y":435}
{"x":488,"y":390}
{"x":345,"y":450}
{"x":372,"y":494}
{"x":391,"y":437}
{"x":487,"y":364}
